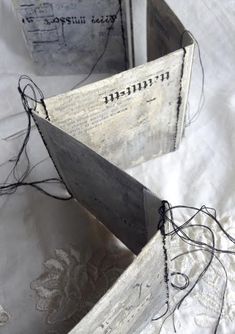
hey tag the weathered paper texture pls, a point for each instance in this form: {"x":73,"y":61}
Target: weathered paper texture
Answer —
{"x":111,"y":195}
{"x":134,"y":300}
{"x":70,"y":36}
{"x":166,"y":35}
{"x":137,"y":114}
{"x":130,"y":117}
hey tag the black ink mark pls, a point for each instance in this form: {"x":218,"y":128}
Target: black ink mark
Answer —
{"x":139,"y":285}
{"x":66,"y":20}
{"x":108,"y":19}
{"x":137,"y":87}
{"x":42,"y":30}
{"x":149,"y":101}
{"x":45,"y":42}
{"x":27,"y":5}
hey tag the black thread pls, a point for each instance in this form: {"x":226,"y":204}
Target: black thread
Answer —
{"x":225,"y":285}
{"x":201,"y":102}
{"x":161,"y":225}
{"x":30,"y":104}
{"x":119,"y":11}
{"x":181,"y":231}
{"x":186,"y":278}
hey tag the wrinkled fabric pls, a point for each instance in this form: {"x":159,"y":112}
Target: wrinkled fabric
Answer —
{"x":202,"y":170}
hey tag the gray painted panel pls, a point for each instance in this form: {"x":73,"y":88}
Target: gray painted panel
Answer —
{"x":114,"y":197}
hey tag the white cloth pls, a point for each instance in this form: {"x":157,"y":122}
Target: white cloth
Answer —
{"x":200,"y":172}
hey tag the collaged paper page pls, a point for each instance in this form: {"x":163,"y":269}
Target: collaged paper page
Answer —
{"x":131,"y":117}
{"x":70,"y":36}
{"x":138,"y":114}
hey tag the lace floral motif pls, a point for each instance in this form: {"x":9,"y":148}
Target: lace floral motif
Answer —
{"x":206,"y":298}
{"x":4,"y":317}
{"x":70,"y":286}
{"x":199,"y":312}
{"x":210,"y":295}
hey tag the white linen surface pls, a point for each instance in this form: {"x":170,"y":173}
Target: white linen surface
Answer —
{"x":200,"y":172}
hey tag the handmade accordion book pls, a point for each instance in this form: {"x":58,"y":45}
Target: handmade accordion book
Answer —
{"x":95,"y":132}
{"x":69,"y":36}
{"x":137,"y":114}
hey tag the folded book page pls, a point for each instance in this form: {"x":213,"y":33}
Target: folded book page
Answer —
{"x":70,"y":36}
{"x":137,"y":114}
{"x":111,"y":195}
